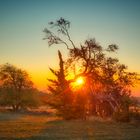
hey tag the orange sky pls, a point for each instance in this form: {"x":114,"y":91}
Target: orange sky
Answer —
{"x":22,"y":23}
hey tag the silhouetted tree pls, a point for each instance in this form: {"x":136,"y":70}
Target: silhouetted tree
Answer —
{"x":69,"y":104}
{"x":62,"y":97}
{"x":16,"y":88}
{"x":108,"y":84}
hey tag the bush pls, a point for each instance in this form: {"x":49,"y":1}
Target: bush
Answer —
{"x":135,"y":116}
{"x":121,"y":116}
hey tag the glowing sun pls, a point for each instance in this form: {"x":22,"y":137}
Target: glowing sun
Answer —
{"x":79,"y":81}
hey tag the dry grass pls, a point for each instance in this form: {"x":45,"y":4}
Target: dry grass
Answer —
{"x":22,"y":126}
{"x":42,"y":127}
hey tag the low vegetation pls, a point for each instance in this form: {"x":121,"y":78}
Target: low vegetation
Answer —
{"x":15,"y":126}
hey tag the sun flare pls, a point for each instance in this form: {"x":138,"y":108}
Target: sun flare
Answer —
{"x":79,"y":81}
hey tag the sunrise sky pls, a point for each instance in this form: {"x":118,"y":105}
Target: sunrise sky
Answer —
{"x":109,"y":21}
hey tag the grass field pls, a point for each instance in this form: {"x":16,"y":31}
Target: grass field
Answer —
{"x":43,"y":127}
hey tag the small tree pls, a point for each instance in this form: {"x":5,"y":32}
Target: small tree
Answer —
{"x":16,"y":88}
{"x":69,"y":104}
{"x":61,"y":95}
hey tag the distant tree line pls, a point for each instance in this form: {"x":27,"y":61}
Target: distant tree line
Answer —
{"x":107,"y":88}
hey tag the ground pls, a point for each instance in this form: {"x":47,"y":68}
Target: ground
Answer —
{"x":15,"y":126}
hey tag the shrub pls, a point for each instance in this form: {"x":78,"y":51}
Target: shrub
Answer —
{"x":121,"y":116}
{"x":135,"y":116}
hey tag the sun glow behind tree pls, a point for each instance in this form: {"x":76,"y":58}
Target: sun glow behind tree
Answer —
{"x":94,"y":88}
{"x":79,"y":81}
